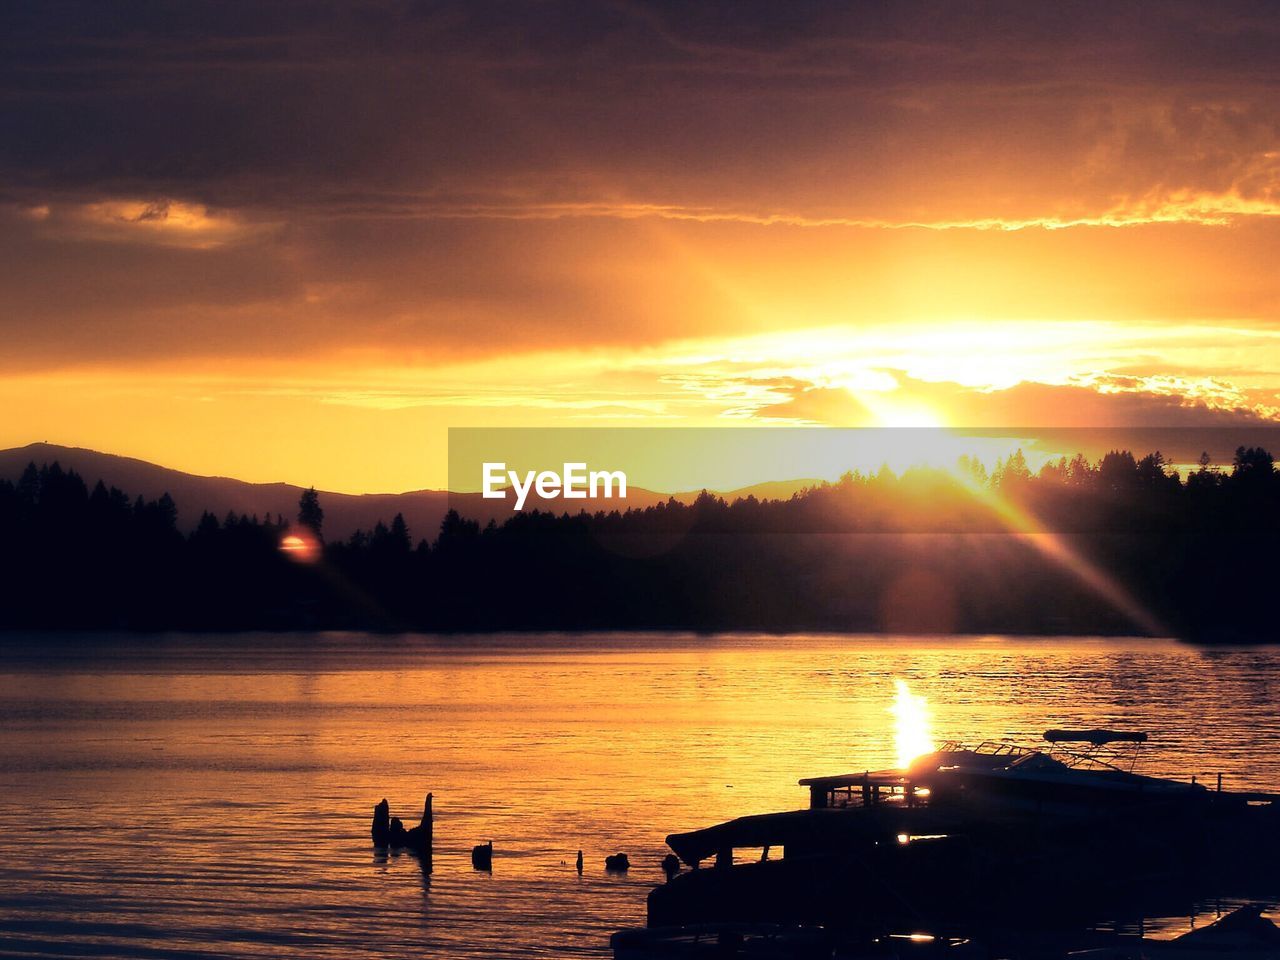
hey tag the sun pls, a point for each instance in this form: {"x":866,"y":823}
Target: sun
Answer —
{"x":909,"y":417}
{"x":892,"y":410}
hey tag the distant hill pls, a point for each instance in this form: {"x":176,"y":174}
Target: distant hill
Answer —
{"x":344,"y":512}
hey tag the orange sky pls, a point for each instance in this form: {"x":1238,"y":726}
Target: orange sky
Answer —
{"x":300,"y":245}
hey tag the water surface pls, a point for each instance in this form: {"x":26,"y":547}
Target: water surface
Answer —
{"x":210,"y":796}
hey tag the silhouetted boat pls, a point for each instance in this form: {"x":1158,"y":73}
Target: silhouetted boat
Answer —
{"x":970,"y":837}
{"x":999,"y":777}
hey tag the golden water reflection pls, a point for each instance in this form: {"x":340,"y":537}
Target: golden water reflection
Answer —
{"x":214,"y":796}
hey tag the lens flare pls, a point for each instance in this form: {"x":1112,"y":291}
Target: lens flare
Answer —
{"x":911,"y":725}
{"x":1059,"y":549}
{"x":302,"y":549}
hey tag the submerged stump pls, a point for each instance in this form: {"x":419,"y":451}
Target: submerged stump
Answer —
{"x":382,"y":824}
{"x":389,"y":831}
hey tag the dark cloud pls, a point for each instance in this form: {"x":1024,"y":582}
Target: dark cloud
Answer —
{"x":446,"y":178}
{"x":123,"y":284}
{"x":866,"y":109}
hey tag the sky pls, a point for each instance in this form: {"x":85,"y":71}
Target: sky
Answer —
{"x":300,"y":241}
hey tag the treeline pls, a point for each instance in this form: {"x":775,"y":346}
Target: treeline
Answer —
{"x":1123,"y":545}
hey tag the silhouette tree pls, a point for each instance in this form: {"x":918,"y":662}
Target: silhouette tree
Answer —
{"x":1153,"y":472}
{"x":310,"y":513}
{"x":1080,"y":472}
{"x":208,"y":526}
{"x":1011,"y":473}
{"x":1198,"y":554}
{"x":167,"y":512}
{"x":1252,"y":464}
{"x":29,"y":485}
{"x":457,"y":532}
{"x":399,"y":535}
{"x":1118,"y":472}
{"x":1205,"y":477}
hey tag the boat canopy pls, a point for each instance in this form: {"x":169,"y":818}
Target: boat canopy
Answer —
{"x":808,"y":831}
{"x":1099,"y":738}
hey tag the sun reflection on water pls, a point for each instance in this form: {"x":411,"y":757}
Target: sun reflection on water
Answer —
{"x":912,"y":736}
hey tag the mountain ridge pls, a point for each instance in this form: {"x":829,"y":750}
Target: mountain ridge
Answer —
{"x":422,"y":509}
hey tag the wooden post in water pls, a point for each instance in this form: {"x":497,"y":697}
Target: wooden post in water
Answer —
{"x":428,"y":839}
{"x":382,"y":824}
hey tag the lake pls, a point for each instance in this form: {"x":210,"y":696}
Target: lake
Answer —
{"x":208,"y":796}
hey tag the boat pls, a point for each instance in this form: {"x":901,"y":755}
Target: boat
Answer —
{"x":966,"y":839}
{"x":1001,"y":778}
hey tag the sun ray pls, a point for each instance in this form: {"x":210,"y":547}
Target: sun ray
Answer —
{"x":1057,"y":548}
